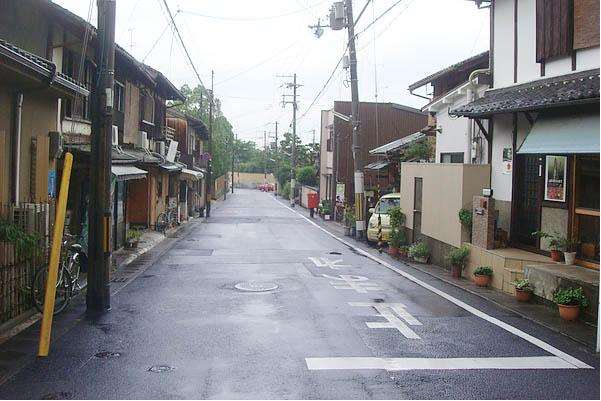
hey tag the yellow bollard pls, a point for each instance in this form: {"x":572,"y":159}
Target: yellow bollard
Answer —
{"x":57,"y":240}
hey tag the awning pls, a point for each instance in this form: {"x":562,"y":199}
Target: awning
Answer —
{"x":562,"y":134}
{"x":398,"y":144}
{"x":192,"y":175}
{"x":377,"y":165}
{"x":124,"y":173}
{"x":171,"y":167}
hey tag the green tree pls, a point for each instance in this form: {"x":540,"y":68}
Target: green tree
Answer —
{"x":306,"y":175}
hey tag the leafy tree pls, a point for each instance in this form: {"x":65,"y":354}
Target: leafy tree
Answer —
{"x":306,"y":175}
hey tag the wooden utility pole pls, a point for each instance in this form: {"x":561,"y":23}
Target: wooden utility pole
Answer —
{"x":277,"y":159}
{"x":234,"y":140}
{"x":99,"y":247}
{"x":357,"y":157}
{"x":293,"y":161}
{"x":210,"y":162}
{"x":265,"y":155}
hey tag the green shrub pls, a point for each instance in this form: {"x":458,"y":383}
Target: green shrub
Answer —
{"x":397,"y":217}
{"x":397,"y":238}
{"x":523,"y":285}
{"x":133,"y":235}
{"x":419,"y":250}
{"x":458,"y":256}
{"x":483,"y":271}
{"x":570,"y":296}
{"x":25,"y":244}
{"x":466,"y":217}
{"x":349,"y":216}
{"x":286,"y":190}
{"x":419,"y":151}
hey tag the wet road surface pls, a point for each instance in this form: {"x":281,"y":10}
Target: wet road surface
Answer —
{"x":196,"y":324}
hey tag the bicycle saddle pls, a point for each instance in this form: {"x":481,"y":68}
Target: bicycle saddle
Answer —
{"x":76,"y":248}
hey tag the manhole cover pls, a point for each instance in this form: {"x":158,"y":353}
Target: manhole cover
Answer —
{"x":107,"y":354}
{"x":256,"y":286}
{"x":160,"y":368}
{"x":61,"y":395}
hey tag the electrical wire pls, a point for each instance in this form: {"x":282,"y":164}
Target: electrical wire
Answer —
{"x":252,"y":19}
{"x":158,"y":39}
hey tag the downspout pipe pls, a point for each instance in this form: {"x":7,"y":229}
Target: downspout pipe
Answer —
{"x":474,"y":96}
{"x":16,"y":146}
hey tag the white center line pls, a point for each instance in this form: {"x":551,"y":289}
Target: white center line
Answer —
{"x":514,"y":330}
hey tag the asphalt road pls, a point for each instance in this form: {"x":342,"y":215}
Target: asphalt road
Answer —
{"x":339,"y":325}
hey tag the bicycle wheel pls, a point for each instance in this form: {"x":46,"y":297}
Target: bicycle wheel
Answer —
{"x":63,"y":290}
{"x":162,"y":222}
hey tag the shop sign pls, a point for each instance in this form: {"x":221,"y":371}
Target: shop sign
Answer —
{"x":507,"y":160}
{"x":555,"y":178}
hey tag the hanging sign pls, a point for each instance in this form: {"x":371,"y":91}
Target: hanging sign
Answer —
{"x":507,"y":160}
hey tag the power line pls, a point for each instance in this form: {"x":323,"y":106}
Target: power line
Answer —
{"x":251,"y":19}
{"x":158,"y":39}
{"x":179,"y":36}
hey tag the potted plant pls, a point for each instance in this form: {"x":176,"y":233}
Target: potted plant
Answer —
{"x":397,"y":239}
{"x":523,"y":290}
{"x":457,"y":258}
{"x":569,"y":246}
{"x":403,"y":251}
{"x":349,"y":220}
{"x":419,"y":252}
{"x":553,"y":241}
{"x":133,"y":238}
{"x":569,"y":301}
{"x":482,"y":276}
{"x":466,"y":218}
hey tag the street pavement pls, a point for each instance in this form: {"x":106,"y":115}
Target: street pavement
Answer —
{"x":341,"y":324}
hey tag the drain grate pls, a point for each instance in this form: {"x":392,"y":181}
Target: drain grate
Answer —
{"x":160,"y":368}
{"x":107,"y":355}
{"x":256,"y":286}
{"x":119,"y":280}
{"x":335,"y":253}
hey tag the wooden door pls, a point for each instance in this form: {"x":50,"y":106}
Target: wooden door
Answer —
{"x":527,"y":198}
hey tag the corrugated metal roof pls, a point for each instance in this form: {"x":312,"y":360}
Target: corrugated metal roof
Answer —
{"x":478,"y":58}
{"x":124,"y":173}
{"x":397,"y":144}
{"x":377,"y":165}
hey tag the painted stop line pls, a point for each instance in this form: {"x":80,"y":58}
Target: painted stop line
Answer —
{"x":392,"y":364}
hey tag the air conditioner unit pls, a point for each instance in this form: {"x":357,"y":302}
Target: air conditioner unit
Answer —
{"x":115,"y":141}
{"x":161,"y":148}
{"x":142,"y":140}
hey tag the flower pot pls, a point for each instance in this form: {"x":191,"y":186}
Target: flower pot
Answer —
{"x":402,"y":254}
{"x":393,"y":251}
{"x":326,"y":217}
{"x":556,"y":255}
{"x":481,"y":280}
{"x":569,"y":257}
{"x":569,"y":312}
{"x":353,"y":231}
{"x":456,"y":271}
{"x":347,"y":231}
{"x":523,"y":295}
{"x":421,"y":259}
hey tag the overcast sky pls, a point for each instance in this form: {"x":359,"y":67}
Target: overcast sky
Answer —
{"x":248,"y":43}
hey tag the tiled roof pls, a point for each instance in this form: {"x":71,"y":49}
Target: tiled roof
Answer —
{"x":566,"y":90}
{"x":474,"y":60}
{"x":42,"y":66}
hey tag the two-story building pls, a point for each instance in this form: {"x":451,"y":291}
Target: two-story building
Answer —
{"x":543,"y":117}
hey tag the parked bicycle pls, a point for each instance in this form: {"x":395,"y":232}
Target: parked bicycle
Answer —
{"x":167,"y":219}
{"x":67,"y":284}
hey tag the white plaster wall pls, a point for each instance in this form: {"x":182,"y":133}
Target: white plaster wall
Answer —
{"x":501,"y":183}
{"x":587,"y":59}
{"x":454,"y":134}
{"x":528,"y":68}
{"x":503,"y":43}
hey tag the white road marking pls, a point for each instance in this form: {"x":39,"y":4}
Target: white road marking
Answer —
{"x":513,"y":330}
{"x":386,"y":311}
{"x":325,"y":262}
{"x":391,"y":364}
{"x":359,"y":284}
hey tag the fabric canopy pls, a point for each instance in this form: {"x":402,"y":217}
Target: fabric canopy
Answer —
{"x":563,"y":134}
{"x":124,"y":173}
{"x":191,"y":175}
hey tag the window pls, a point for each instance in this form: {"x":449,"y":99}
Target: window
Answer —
{"x":329,"y":145}
{"x":78,"y":107}
{"x":554,"y":29}
{"x":119,"y":97}
{"x":586,"y":207}
{"x":147,"y":108}
{"x":456,"y":157}
{"x":386,"y":204}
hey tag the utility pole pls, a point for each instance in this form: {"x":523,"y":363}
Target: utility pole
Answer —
{"x":210,"y":162}
{"x":277,"y":159}
{"x":341,"y":15}
{"x":294,"y":103}
{"x":234,"y":140}
{"x":264,"y":154}
{"x":98,"y":297}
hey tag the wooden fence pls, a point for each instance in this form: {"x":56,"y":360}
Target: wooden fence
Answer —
{"x":18,"y":264}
